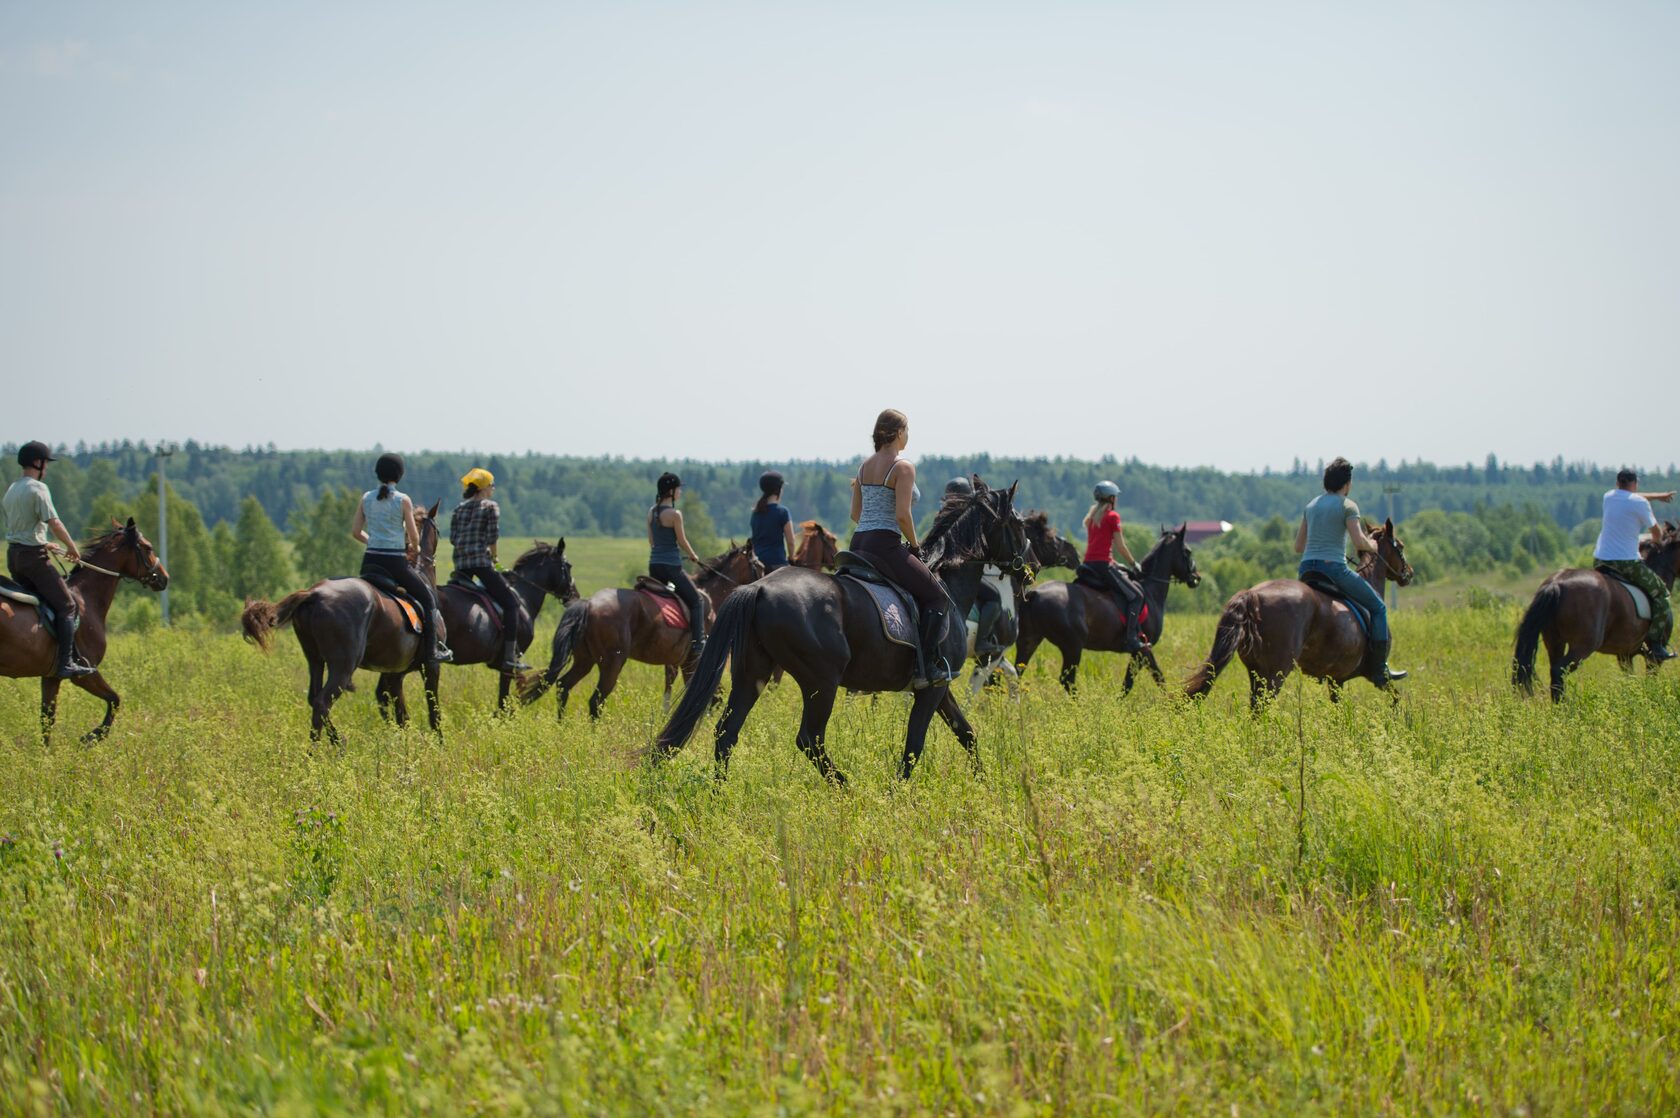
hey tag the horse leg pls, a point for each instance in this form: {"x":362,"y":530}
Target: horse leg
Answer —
{"x":504,"y":687}
{"x":49,"y":707}
{"x":1334,"y":687}
{"x":670,"y":681}
{"x":390,"y":694}
{"x":813,"y":725}
{"x":339,"y":677}
{"x":604,"y":684}
{"x":1626,"y":664}
{"x":1070,"y":669}
{"x":1262,"y":688}
{"x":743,"y":693}
{"x":382,"y":693}
{"x":915,"y":734}
{"x":96,"y":686}
{"x":1557,"y":658}
{"x":952,"y":716}
{"x":1131,"y":672}
{"x":563,"y":689}
{"x":1148,"y":655}
{"x":429,"y":676}
{"x":317,"y":684}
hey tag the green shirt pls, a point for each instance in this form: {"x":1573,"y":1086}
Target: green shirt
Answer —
{"x":28,"y":506}
{"x":1327,"y":516}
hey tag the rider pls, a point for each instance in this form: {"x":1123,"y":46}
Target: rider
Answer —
{"x":1104,"y":537}
{"x":881,"y":496}
{"x":474,"y":528}
{"x":29,"y":517}
{"x":772,"y":526}
{"x":667,"y":544}
{"x":1626,"y":513}
{"x":384,"y":521}
{"x":988,"y":603}
{"x":1330,"y":520}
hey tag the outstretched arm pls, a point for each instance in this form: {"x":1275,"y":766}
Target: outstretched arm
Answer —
{"x":56,"y":527}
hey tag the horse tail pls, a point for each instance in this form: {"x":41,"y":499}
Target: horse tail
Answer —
{"x":1541,"y":613}
{"x":1238,"y":632}
{"x":573,"y":622}
{"x":730,"y":636}
{"x":261,"y":618}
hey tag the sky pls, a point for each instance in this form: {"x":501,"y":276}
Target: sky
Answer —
{"x":1197,"y":233}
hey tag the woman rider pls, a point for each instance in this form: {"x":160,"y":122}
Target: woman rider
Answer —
{"x":772,"y":526}
{"x":886,"y":533}
{"x":667,"y":544}
{"x":1104,"y":536}
{"x":474,"y":528}
{"x":988,"y":604}
{"x":29,"y":517}
{"x":1330,"y":520}
{"x":384,"y":521}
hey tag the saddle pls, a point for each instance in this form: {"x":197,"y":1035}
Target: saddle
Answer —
{"x":1641,"y":600}
{"x":408,"y":606}
{"x":1090,"y":576}
{"x":671,"y":609}
{"x":1321,"y":582}
{"x":900,"y":619}
{"x":15,"y":592}
{"x":482,"y":596}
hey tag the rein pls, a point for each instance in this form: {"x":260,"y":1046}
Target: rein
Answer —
{"x":59,"y":551}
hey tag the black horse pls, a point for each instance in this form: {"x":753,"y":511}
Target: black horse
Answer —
{"x":1073,"y":617}
{"x":826,"y":633}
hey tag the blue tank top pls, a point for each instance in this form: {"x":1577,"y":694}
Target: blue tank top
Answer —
{"x":880,"y":506}
{"x":768,"y":540}
{"x":384,"y":522}
{"x":664,"y":551}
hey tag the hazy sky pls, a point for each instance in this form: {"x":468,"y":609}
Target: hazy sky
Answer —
{"x":1198,"y":233}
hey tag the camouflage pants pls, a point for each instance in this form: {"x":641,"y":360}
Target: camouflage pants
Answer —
{"x":1662,"y":614}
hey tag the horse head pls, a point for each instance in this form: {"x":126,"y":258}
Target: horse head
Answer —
{"x":983,"y":525}
{"x":1391,"y":553}
{"x":1184,"y":559}
{"x":737,"y":565}
{"x":129,"y":554}
{"x":826,"y":543}
{"x":426,"y":525}
{"x":547,"y":567}
{"x":1050,"y":548}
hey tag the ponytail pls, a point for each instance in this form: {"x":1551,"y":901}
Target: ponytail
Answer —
{"x":763,"y":502}
{"x":469,"y":492}
{"x":384,"y":491}
{"x":1091,"y":515}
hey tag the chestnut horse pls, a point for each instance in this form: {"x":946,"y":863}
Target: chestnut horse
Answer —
{"x":1285,"y":623}
{"x":474,"y":635}
{"x":615,"y":625}
{"x":343,"y":624}
{"x":818,"y":548}
{"x":27,"y":650}
{"x":1578,"y":613}
{"x":1074,"y":617}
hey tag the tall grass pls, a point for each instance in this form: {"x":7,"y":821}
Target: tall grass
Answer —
{"x":1464,"y":904}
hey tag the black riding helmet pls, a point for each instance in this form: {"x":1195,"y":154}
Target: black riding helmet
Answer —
{"x":389,"y":468}
{"x":31,"y":453}
{"x":770,"y":483}
{"x":669,"y":483}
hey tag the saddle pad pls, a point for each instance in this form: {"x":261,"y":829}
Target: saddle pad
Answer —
{"x":894,"y":610}
{"x":671,"y":610}
{"x":10,"y":589}
{"x":1641,"y":601}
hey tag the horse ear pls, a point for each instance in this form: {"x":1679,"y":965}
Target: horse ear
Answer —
{"x":130,"y":527}
{"x":561,"y":546}
{"x":1014,"y":485}
{"x":431,"y":514}
{"x":1183,"y":527}
{"x":115,"y":523}
{"x":1388,"y":523}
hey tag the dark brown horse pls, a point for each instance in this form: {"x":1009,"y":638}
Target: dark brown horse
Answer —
{"x":28,"y":650}
{"x":1285,"y":623}
{"x":1074,"y":617}
{"x":818,"y":547}
{"x":990,"y":650}
{"x":1049,"y":548}
{"x":827,"y":633}
{"x":614,"y":626}
{"x":1578,"y":612}
{"x":473,"y":633}
{"x":343,"y":624}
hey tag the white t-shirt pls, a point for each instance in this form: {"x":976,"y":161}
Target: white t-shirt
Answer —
{"x":1626,"y":514}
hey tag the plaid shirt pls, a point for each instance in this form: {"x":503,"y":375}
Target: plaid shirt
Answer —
{"x":473,"y":531}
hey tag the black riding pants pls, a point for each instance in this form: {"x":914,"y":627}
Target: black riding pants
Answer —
{"x":399,"y":571}
{"x":501,"y":593}
{"x":1109,"y":574}
{"x":33,"y":570}
{"x":687,"y":591}
{"x":889,"y":552}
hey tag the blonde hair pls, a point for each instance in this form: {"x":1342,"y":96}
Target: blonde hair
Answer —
{"x":1092,"y":514}
{"x":888,"y":426}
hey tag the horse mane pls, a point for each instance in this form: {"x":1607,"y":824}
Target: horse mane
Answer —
{"x":533,"y":554}
{"x":112,"y":538}
{"x":959,"y":528}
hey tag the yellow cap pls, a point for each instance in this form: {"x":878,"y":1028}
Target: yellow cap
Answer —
{"x":480,"y":477}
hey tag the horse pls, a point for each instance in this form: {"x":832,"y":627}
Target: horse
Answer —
{"x":615,"y":625}
{"x":1074,"y":617}
{"x":473,"y":633}
{"x":1045,"y":549}
{"x":1580,"y":612}
{"x":818,"y":550}
{"x":343,"y":624}
{"x":1283,"y":623}
{"x":827,"y":633}
{"x":28,"y":650}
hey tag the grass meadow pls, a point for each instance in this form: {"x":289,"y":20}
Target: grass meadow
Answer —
{"x":1469,"y":903}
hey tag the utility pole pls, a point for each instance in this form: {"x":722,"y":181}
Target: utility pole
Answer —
{"x":1393,"y":587}
{"x":164,"y":450}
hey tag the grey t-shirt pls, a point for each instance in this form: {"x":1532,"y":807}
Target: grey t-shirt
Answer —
{"x":1327,"y":516}
{"x":28,"y":506}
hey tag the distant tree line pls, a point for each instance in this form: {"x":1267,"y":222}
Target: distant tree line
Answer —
{"x":226,"y":506}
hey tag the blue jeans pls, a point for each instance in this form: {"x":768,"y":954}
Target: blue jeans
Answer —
{"x":1355,"y":588}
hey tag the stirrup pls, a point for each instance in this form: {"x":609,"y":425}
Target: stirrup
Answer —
{"x":74,"y":668}
{"x":442,"y":654}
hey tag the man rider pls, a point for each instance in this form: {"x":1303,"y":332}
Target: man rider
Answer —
{"x":29,"y":517}
{"x":1626,"y":514}
{"x":987,"y":602}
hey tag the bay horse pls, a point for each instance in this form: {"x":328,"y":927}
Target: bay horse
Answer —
{"x":1279,"y":625}
{"x":474,"y":635}
{"x":1580,"y":612}
{"x":827,"y":633}
{"x":343,"y":624}
{"x":1075,"y":617}
{"x":818,"y":550}
{"x":28,"y":650}
{"x":615,"y":625}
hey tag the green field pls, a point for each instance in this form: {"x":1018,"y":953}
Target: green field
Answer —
{"x":1126,"y":911}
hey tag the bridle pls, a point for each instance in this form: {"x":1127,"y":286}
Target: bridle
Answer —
{"x":755,"y":565}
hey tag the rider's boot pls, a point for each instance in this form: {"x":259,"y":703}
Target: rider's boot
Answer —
{"x":70,"y":663}
{"x":1657,"y":653}
{"x":1376,"y":664}
{"x":436,"y":651}
{"x":1133,"y":639}
{"x":935,"y":668}
{"x":512,"y":663}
